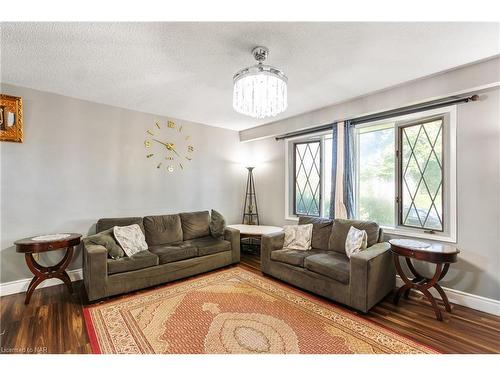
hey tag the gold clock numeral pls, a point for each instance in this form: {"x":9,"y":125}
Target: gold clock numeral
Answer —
{"x":169,"y":158}
{"x":190,"y":148}
{"x":170,"y":168}
{"x":147,"y":144}
{"x":149,"y":155}
{"x":171,"y":125}
{"x":158,"y":125}
{"x":180,"y":165}
{"x":180,"y":128}
{"x":158,"y":166}
{"x":150,"y":132}
{"x":187,"y":158}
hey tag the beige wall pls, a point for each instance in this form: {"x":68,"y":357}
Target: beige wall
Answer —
{"x":81,"y":161}
{"x":478,"y":166}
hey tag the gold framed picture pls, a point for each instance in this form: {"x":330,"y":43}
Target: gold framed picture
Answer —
{"x":11,"y":118}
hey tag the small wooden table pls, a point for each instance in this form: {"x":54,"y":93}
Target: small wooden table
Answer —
{"x":439,"y":254}
{"x":41,"y":244}
{"x":254,"y":231}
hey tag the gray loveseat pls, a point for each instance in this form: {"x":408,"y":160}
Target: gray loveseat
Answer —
{"x":179,"y":246}
{"x":360,"y":281}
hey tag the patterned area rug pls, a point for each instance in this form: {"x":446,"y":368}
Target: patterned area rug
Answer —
{"x":235,"y":311}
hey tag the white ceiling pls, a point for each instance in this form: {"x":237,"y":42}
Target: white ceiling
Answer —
{"x":185,"y":70}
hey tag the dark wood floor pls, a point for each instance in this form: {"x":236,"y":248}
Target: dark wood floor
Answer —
{"x":53,"y":322}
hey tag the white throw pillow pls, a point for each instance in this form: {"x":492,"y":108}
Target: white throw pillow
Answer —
{"x":298,"y":237}
{"x":356,"y":241}
{"x":130,"y":238}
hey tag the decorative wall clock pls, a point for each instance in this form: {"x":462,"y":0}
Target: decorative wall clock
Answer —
{"x":168,"y":146}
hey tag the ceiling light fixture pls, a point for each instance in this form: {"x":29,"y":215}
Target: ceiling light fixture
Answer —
{"x":261,"y":90}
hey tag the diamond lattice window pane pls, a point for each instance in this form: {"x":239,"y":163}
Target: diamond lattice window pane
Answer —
{"x":422,"y":175}
{"x":307,"y":178}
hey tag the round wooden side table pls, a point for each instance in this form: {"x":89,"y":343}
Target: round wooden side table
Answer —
{"x":41,"y":244}
{"x":438,"y":254}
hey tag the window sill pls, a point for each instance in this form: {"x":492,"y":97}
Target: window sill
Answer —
{"x":291,"y":218}
{"x":415,"y":234}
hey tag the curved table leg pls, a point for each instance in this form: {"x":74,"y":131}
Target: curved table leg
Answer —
{"x":408,"y":284}
{"x":42,"y":273}
{"x":418,"y":277}
{"x":422,"y":284}
{"x":424,"y":288}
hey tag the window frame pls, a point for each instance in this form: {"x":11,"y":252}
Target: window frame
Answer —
{"x":449,"y":190}
{"x":399,"y":178}
{"x":321,"y":192}
{"x":290,"y":174}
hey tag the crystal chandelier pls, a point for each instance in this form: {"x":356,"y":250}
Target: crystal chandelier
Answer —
{"x":261,"y":90}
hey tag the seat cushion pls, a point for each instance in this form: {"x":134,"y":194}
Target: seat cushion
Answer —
{"x":330,"y":264}
{"x":209,"y":245}
{"x":174,"y":252}
{"x":341,"y":228}
{"x":162,"y":229}
{"x":195,"y":224}
{"x":143,"y":259}
{"x":322,"y":229}
{"x":106,"y":223}
{"x":293,"y":257}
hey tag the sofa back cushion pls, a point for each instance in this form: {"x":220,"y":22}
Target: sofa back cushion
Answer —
{"x":162,"y":229}
{"x":107,"y":223}
{"x":341,"y":227}
{"x":195,"y":224}
{"x":322,"y":229}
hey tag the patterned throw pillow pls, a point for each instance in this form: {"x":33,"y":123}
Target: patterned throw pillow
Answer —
{"x":131,"y":239}
{"x":356,"y":241}
{"x":217,"y":224}
{"x":298,"y":237}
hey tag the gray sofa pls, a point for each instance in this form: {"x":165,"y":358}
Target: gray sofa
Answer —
{"x":359,"y":282}
{"x":179,"y":246}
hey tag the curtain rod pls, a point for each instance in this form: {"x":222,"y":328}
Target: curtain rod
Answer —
{"x":386,"y":114}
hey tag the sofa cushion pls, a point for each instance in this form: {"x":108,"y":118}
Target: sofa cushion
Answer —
{"x":333,"y":265}
{"x":106,"y":239}
{"x":143,"y":259}
{"x":209,"y":245}
{"x":106,"y":223}
{"x":341,"y":228}
{"x":195,"y":224}
{"x":162,"y":229}
{"x":293,"y":257}
{"x":217,"y":224}
{"x":173,"y":252}
{"x":322,"y":229}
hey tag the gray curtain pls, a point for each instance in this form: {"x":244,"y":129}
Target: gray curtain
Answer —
{"x":349,"y":169}
{"x":334,"y":170}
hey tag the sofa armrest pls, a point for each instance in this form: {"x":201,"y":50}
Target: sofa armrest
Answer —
{"x":95,"y":270}
{"x":370,"y":253}
{"x":372,"y":275}
{"x":269,"y":243}
{"x":233,"y":235}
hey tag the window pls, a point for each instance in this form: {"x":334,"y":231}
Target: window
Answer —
{"x":405,"y":174}
{"x":309,"y":171}
{"x":307,"y":178}
{"x":420,"y":169}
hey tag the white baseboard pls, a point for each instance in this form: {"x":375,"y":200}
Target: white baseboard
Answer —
{"x":20,"y":286}
{"x":488,"y":305}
